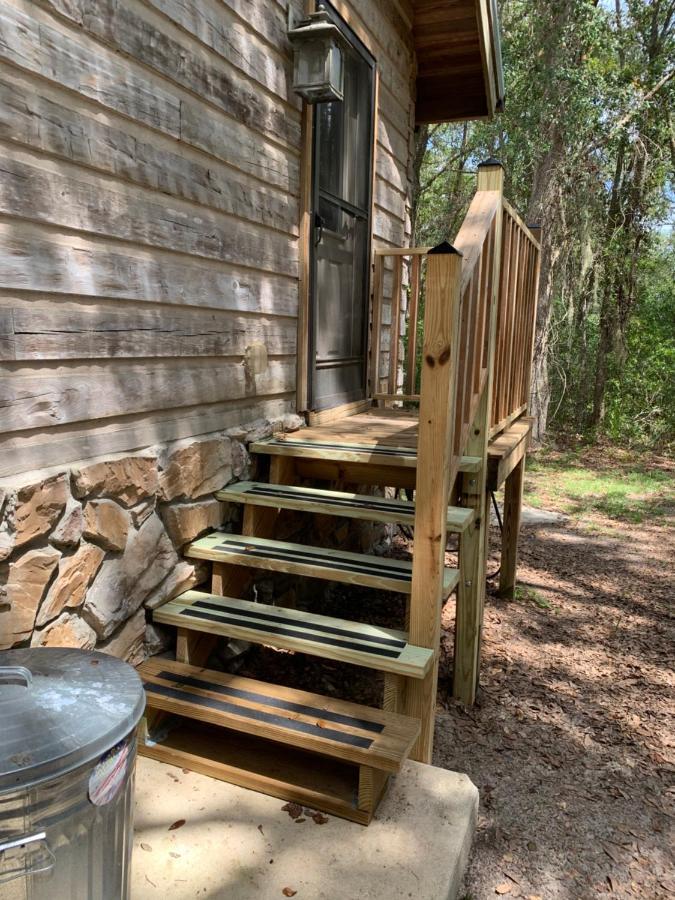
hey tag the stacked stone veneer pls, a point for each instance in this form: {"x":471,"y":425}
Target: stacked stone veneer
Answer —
{"x":87,"y":549}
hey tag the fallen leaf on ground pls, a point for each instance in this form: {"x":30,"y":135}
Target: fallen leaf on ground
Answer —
{"x":319,"y":818}
{"x":146,"y":847}
{"x":300,"y":820}
{"x":503,"y":888}
{"x":177,"y":824}
{"x":293,"y":809}
{"x":289,"y":892}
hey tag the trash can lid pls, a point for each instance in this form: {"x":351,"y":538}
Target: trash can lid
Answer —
{"x":60,"y":709}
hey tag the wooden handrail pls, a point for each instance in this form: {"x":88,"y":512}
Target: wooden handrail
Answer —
{"x":400,"y":273}
{"x":516,"y":312}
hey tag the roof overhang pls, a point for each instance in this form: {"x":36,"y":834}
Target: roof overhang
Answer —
{"x":459,"y":62}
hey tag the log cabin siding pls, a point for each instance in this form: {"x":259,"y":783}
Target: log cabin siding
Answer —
{"x":149,"y":215}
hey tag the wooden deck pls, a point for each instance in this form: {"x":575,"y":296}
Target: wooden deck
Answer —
{"x":389,"y":437}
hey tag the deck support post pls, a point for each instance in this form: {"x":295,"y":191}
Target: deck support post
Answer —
{"x":472,"y":565}
{"x":513,"y":503}
{"x":473,"y":545}
{"x":436,"y":468}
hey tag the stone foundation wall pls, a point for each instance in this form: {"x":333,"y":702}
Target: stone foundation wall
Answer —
{"x":86,"y":550}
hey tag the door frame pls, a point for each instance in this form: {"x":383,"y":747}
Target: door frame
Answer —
{"x":356,"y":33}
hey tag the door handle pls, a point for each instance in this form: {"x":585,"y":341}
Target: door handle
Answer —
{"x":318,"y":229}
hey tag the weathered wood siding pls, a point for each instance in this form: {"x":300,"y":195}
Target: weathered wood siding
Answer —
{"x":149,"y":210}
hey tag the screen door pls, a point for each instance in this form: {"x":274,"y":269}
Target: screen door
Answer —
{"x":342,"y":189}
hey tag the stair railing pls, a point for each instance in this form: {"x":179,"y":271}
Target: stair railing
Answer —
{"x":397,"y":286}
{"x":455,"y":399}
{"x":516,"y":313}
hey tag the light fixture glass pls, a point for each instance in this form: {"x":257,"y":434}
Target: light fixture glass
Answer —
{"x":318,"y":64}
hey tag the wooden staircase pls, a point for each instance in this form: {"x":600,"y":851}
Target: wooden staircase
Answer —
{"x":314,"y":750}
{"x":318,"y":751}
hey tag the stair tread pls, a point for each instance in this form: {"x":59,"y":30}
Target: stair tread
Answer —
{"x":314,"y":562}
{"x":371,"y":646}
{"x":313,"y":722}
{"x":405,"y":457}
{"x":350,"y":505}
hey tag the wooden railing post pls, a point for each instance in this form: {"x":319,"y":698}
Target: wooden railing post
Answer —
{"x":474,"y":542}
{"x":435,"y":469}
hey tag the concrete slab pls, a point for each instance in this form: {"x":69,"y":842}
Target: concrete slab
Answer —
{"x":240,"y":845}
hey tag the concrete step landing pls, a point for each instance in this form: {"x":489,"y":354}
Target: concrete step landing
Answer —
{"x":239,"y":844}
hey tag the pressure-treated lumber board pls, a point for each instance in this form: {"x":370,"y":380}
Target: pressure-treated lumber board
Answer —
{"x":337,"y":503}
{"x":440,"y":355}
{"x":335,"y":413}
{"x":513,"y":504}
{"x":506,"y":451}
{"x":271,"y":768}
{"x":402,"y":457}
{"x":314,"y":562}
{"x":289,"y":629}
{"x":473,"y":546}
{"x":344,"y":730}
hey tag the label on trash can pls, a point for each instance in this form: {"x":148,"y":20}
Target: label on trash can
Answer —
{"x":109,"y":774}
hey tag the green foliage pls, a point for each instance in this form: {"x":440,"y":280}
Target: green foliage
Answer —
{"x":641,"y":394}
{"x":627,"y":488}
{"x":587,"y":139}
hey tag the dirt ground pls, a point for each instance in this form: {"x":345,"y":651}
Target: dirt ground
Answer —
{"x":571,"y":743}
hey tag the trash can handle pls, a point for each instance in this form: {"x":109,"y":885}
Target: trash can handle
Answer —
{"x":15,"y":857}
{"x":16,"y":675}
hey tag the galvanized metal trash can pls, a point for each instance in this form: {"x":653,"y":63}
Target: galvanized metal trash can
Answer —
{"x":67,"y":753}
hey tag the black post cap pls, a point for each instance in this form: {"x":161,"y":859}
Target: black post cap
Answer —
{"x":444,"y":247}
{"x":490,"y":162}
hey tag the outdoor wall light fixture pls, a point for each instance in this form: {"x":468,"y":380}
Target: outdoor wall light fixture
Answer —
{"x":318,"y":63}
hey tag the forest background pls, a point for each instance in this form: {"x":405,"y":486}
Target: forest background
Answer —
{"x":587,"y":140}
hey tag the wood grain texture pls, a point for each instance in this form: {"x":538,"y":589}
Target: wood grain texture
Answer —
{"x":337,"y":503}
{"x":300,"y":777}
{"x":313,"y":562}
{"x":127,"y":29}
{"x":328,"y":637}
{"x":513,"y":503}
{"x":436,"y":470}
{"x":388,"y":736}
{"x":38,"y":449}
{"x":49,"y":332}
{"x":34,"y":116}
{"x":72,"y":393}
{"x":46,"y":261}
{"x":59,"y":197}
{"x":150,"y":214}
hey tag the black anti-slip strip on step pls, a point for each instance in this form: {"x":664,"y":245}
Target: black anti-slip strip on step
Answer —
{"x":351,"y":448}
{"x":374,"y":568}
{"x":276,"y":702}
{"x":258,"y":715}
{"x":289,"y":632}
{"x":285,"y":620}
{"x":359,"y":503}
